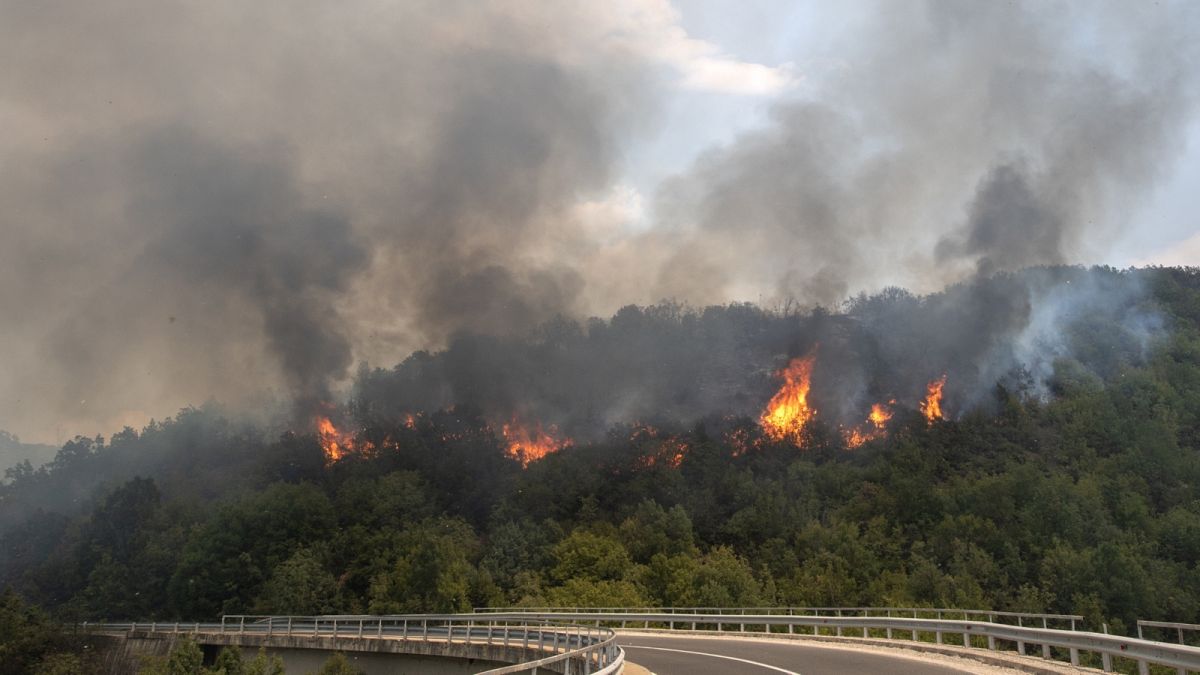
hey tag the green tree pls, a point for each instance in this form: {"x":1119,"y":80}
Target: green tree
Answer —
{"x":338,"y":664}
{"x":262,"y":664}
{"x":227,"y":560}
{"x":61,"y":664}
{"x":652,"y":530}
{"x":27,"y":635}
{"x":590,"y":556}
{"x":299,"y":585}
{"x":432,"y":571}
{"x":229,"y":662}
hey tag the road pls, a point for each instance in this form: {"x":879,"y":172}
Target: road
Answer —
{"x":670,"y":655}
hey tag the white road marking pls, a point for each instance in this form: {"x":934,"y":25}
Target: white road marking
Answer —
{"x":716,"y":656}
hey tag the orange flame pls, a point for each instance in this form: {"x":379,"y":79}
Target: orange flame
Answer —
{"x":666,"y":448}
{"x":875,"y":426}
{"x":788,"y":412}
{"x":527,"y":444}
{"x":931,"y":407}
{"x":336,"y":444}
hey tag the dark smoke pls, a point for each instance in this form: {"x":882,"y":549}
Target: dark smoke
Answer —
{"x":235,"y":226}
{"x":1009,"y":227}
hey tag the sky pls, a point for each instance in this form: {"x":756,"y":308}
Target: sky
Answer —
{"x":241,"y":202}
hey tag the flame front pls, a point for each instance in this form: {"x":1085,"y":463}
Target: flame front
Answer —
{"x":875,"y":426}
{"x":788,"y":412}
{"x":336,"y":444}
{"x":931,"y":407}
{"x":526,"y":444}
{"x":659,"y":446}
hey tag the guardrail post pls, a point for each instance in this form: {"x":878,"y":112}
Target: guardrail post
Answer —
{"x":938,"y":632}
{"x":889,"y":628}
{"x":289,"y":627}
{"x":839,"y":626}
{"x":1020,"y":643}
{"x":242,"y":624}
{"x":992,"y":638}
{"x":1143,"y":668}
{"x":914,"y":633}
{"x":1045,"y":646}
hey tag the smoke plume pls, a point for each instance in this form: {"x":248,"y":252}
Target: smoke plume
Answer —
{"x":241,"y":200}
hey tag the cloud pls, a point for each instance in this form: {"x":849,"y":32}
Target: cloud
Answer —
{"x":652,"y":29}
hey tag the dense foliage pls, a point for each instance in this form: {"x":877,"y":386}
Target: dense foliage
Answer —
{"x":1082,"y":498}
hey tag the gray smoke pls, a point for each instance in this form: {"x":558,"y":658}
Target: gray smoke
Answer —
{"x":956,"y":138}
{"x":222,"y":200}
{"x":239,"y":200}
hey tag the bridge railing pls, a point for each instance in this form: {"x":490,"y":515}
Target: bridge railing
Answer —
{"x":575,"y":649}
{"x":1055,"y":643}
{"x":1179,"y":631}
{"x":1070,"y":621}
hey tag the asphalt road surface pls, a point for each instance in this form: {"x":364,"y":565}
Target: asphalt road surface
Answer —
{"x":668,"y":655}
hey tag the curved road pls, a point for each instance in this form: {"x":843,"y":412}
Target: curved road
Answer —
{"x":670,"y":655}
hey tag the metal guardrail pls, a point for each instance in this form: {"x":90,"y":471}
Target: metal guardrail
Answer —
{"x":1073,"y":642}
{"x":1178,"y":628}
{"x":578,"y":649}
{"x":992,"y":616}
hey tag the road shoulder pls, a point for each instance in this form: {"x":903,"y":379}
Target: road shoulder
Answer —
{"x":978,"y":661}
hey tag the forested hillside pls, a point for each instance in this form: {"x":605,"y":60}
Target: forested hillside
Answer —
{"x":1060,"y":478}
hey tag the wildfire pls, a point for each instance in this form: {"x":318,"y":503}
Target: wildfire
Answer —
{"x":875,"y":426}
{"x":336,"y":443}
{"x":660,"y":446}
{"x":528,"y":444}
{"x":931,"y":407}
{"x":788,"y":410}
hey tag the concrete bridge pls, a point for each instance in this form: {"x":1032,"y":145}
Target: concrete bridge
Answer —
{"x":690,"y":640}
{"x":438,"y":644}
